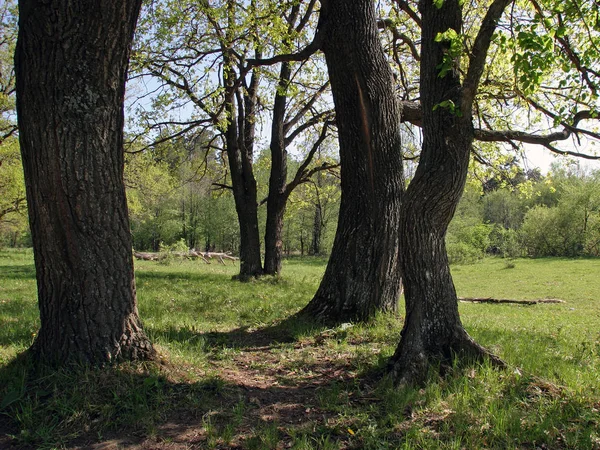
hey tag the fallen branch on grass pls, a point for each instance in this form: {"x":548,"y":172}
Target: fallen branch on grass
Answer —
{"x":192,"y":254}
{"x":146,"y":256}
{"x":220,"y":256}
{"x":505,"y":300}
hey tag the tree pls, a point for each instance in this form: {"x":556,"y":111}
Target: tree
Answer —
{"x":432,"y":330}
{"x":228,"y":35}
{"x":12,"y":186}
{"x":362,"y":274}
{"x":8,"y":38}
{"x":71,"y":63}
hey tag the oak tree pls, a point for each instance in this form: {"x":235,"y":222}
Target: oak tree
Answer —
{"x":71,"y":63}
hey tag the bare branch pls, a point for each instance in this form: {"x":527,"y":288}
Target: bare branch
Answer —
{"x":309,"y":123}
{"x":388,"y":24}
{"x":222,"y":186}
{"x":404,"y":6}
{"x":302,"y":174}
{"x":305,"y":108}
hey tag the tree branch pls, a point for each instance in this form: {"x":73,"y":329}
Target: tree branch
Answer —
{"x":479,"y":53}
{"x":309,"y":123}
{"x":302,"y":173}
{"x":404,"y":6}
{"x":305,"y":108}
{"x":222,"y":186}
{"x":398,"y":36}
{"x":303,"y":54}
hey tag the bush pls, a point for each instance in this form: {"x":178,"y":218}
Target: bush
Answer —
{"x":552,"y":232}
{"x":462,"y":253}
{"x":505,"y":242}
{"x":466,"y":243}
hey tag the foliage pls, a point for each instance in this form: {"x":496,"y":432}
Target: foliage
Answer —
{"x":13,"y":223}
{"x":209,"y":328}
{"x":572,"y":227}
{"x":557,"y":215}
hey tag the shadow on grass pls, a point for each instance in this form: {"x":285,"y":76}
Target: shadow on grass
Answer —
{"x":273,"y":405}
{"x":25,"y":272}
{"x":244,"y":338}
{"x":131,"y":403}
{"x":189,"y":276}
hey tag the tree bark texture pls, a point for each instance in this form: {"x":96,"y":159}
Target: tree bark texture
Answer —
{"x":362,"y":275}
{"x":239,"y":137}
{"x":433,"y":331}
{"x":71,"y":63}
{"x":277,"y":199}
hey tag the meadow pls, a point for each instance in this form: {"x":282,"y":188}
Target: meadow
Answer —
{"x":236,"y":370}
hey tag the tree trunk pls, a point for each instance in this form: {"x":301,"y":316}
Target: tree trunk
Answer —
{"x":362,"y":275}
{"x":240,"y":144}
{"x":245,"y":195}
{"x":71,"y":63}
{"x":315,"y":245}
{"x":433,"y":332}
{"x":277,"y":199}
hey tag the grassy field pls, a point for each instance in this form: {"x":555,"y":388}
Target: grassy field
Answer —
{"x":236,"y":372}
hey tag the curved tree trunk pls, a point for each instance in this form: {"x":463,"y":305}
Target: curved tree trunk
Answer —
{"x":362,"y":275}
{"x":433,"y":332}
{"x":71,"y":63}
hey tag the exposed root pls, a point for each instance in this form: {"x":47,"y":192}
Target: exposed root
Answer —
{"x":411,"y":367}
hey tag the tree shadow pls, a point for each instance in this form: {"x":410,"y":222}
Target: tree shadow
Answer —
{"x":141,"y":404}
{"x":25,"y":272}
{"x":287,"y":331}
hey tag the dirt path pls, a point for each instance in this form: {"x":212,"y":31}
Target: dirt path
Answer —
{"x":271,"y":390}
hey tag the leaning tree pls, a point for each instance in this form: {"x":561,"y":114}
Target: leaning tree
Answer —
{"x":71,"y":63}
{"x":452,"y":111}
{"x":454,"y":108}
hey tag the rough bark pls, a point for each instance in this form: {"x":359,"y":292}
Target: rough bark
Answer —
{"x":362,"y":275}
{"x":433,"y":332}
{"x":239,"y":137}
{"x":277,"y":198}
{"x":71,"y":63}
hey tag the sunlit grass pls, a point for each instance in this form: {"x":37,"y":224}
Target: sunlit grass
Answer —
{"x":205,"y":323}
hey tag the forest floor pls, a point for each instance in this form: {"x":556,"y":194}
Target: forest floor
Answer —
{"x":236,"y":370}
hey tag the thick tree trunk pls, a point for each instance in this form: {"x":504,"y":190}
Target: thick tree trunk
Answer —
{"x":277,"y":199}
{"x":362,"y":275}
{"x":433,"y":332}
{"x":71,"y":62}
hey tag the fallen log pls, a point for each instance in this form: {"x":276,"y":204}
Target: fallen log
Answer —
{"x":147,"y":256}
{"x":506,"y":300}
{"x":219,"y":256}
{"x":192,"y":254}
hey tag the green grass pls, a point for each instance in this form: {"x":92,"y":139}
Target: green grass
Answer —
{"x":236,"y":371}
